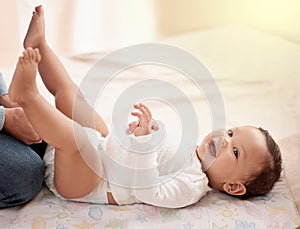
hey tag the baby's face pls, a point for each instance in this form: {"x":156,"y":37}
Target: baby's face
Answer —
{"x":242,"y":151}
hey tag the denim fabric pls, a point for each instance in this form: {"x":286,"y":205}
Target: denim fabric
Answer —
{"x":21,"y":172}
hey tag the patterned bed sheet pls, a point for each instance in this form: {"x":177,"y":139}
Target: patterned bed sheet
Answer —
{"x":216,"y":210}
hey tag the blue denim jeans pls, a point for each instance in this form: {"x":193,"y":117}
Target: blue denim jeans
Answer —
{"x":21,"y":172}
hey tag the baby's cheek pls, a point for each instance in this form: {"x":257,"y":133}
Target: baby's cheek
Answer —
{"x":200,"y":152}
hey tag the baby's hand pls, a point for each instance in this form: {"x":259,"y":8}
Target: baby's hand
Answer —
{"x":145,"y":122}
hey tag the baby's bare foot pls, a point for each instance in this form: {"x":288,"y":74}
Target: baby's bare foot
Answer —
{"x":23,"y":86}
{"x":35,"y":36}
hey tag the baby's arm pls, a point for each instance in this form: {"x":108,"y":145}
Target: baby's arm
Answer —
{"x":175,"y":190}
{"x":145,"y":123}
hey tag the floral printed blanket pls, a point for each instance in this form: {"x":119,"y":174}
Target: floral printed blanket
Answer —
{"x":216,"y":211}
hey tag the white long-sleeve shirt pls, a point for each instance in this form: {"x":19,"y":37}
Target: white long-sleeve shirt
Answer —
{"x":149,"y":178}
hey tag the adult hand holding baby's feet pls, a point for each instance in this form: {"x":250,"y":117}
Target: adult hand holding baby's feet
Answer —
{"x":17,"y":125}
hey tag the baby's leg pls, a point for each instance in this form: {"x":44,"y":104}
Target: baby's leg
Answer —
{"x":73,"y":178}
{"x":57,"y":80}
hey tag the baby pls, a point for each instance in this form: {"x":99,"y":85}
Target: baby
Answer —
{"x":243,"y":162}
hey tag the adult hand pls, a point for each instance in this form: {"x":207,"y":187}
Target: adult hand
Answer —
{"x":144,"y":123}
{"x":7,"y":102}
{"x":17,"y":125}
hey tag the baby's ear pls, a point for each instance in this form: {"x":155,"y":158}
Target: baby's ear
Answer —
{"x":236,"y":189}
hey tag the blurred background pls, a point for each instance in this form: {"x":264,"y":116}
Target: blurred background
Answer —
{"x":75,"y":26}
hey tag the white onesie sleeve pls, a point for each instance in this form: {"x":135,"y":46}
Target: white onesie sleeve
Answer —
{"x":178,"y":190}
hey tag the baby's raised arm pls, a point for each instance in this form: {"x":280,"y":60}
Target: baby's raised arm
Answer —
{"x":144,"y":124}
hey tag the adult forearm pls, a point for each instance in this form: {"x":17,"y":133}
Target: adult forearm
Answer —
{"x":2,"y":117}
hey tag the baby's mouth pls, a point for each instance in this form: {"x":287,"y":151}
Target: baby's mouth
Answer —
{"x":212,"y":148}
{"x":215,"y":145}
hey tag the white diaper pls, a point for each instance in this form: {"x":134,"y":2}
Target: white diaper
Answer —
{"x":98,"y":195}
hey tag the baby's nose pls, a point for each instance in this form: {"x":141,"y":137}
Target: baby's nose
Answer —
{"x":225,"y":142}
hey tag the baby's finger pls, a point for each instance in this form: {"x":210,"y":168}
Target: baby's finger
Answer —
{"x":132,"y":126}
{"x":147,"y":110}
{"x":135,"y":113}
{"x":155,"y":127}
{"x":141,"y":109}
{"x":144,"y":111}
{"x":137,"y":106}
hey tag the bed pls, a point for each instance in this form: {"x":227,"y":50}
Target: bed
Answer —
{"x":258,"y":77}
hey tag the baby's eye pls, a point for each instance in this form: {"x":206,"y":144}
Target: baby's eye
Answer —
{"x":230,"y":133}
{"x":236,"y":152}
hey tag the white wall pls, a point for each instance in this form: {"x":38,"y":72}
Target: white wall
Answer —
{"x":9,"y":38}
{"x":279,"y":16}
{"x":91,"y":25}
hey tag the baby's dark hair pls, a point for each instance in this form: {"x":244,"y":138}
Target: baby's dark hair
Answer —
{"x":263,"y":181}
